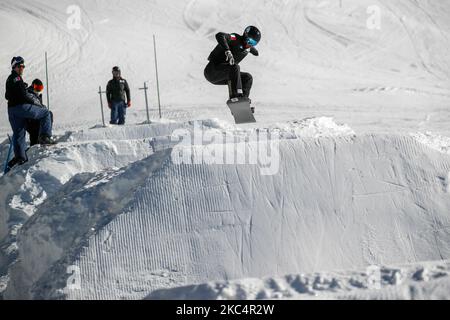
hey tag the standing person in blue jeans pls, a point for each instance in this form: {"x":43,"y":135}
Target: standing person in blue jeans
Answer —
{"x":119,"y":97}
{"x":22,"y":107}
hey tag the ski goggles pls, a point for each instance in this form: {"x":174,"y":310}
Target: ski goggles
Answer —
{"x":21,"y":66}
{"x":252,"y":42}
{"x":38,"y":88}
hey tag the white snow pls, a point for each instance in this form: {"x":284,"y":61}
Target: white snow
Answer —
{"x":426,"y":280}
{"x":434,"y":141}
{"x":337,"y":202}
{"x":348,"y":165}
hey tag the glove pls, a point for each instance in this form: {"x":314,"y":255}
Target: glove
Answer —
{"x":254,"y":52}
{"x":230,"y":58}
{"x":110,"y":105}
{"x":129,"y":104}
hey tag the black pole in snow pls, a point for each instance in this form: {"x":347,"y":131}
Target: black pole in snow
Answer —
{"x":145,"y":88}
{"x":100,"y":92}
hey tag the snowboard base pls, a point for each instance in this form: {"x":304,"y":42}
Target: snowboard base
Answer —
{"x":240,"y":109}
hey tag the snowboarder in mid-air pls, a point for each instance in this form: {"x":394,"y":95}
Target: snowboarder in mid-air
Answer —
{"x":223,"y":67}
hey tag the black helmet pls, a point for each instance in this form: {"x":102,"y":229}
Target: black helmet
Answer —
{"x":17,"y":61}
{"x":37,"y":82}
{"x":116,"y":69}
{"x":252,"y":35}
{"x":37,"y":85}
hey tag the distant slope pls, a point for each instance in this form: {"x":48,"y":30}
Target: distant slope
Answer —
{"x":313,"y":54}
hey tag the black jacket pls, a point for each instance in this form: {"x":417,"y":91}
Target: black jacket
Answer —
{"x":16,"y":91}
{"x":117,"y":90}
{"x":36,"y":98}
{"x":233,"y":42}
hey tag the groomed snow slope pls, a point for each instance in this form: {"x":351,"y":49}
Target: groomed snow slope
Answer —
{"x":339,"y":201}
{"x":317,"y":58}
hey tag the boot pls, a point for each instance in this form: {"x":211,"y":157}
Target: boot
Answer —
{"x":250,"y":102}
{"x":15,"y":162}
{"x":47,"y":141}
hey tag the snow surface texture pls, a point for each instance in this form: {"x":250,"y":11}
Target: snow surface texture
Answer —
{"x":337,"y":202}
{"x":110,"y":213}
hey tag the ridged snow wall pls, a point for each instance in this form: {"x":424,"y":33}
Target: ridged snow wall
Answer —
{"x":336,"y":203}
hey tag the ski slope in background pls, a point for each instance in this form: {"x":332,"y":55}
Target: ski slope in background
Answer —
{"x":364,"y":124}
{"x":317,"y":58}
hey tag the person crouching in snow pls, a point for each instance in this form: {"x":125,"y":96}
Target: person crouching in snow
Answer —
{"x":119,"y":97}
{"x":32,"y":127}
{"x":22,"y":107}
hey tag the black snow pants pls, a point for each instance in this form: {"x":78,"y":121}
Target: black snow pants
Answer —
{"x":225,"y":74}
{"x":32,"y":127}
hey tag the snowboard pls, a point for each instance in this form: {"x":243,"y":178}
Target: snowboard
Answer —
{"x":240,"y":109}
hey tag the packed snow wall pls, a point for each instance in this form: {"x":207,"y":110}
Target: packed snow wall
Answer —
{"x":335,"y":203}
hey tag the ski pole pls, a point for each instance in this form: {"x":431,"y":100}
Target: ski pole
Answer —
{"x":5,"y":169}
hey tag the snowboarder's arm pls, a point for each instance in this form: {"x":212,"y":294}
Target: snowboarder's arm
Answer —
{"x":21,"y":88}
{"x":224,"y":39}
{"x":37,"y":99}
{"x":33,"y":99}
{"x":108,"y":92}
{"x":127,"y":91}
{"x":254,"y":52}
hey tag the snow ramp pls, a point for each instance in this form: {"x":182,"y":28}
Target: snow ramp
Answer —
{"x":336,"y":202}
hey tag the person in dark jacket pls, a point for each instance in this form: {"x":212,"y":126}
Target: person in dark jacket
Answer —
{"x":21,"y":107}
{"x":119,"y":97}
{"x":33,"y":126}
{"x":223,"y":67}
